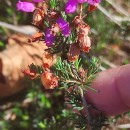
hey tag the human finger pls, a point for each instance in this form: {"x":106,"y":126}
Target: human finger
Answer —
{"x":114,"y":91}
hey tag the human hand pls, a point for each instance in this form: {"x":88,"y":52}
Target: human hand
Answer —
{"x":114,"y":91}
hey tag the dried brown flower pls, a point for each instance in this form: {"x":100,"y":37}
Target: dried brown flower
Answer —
{"x":35,"y":37}
{"x":48,"y":80}
{"x":74,"y":52}
{"x":55,"y":29}
{"x":92,"y":7}
{"x":29,"y":73}
{"x":48,"y":59}
{"x":84,"y":42}
{"x":39,"y":14}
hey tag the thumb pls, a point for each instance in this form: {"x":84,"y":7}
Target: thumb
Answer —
{"x":114,"y":91}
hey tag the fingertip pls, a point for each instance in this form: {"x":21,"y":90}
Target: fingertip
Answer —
{"x":122,"y":82}
{"x":112,"y":97}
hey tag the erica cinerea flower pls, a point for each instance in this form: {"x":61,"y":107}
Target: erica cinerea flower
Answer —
{"x":64,"y":26}
{"x":25,"y":6}
{"x":50,"y":33}
{"x":49,"y":38}
{"x":71,"y":5}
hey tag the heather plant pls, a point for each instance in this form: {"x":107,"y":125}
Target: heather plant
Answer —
{"x":62,"y":28}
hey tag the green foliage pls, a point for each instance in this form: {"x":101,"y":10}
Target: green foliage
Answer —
{"x":63,"y":69}
{"x":80,"y":121}
{"x":69,"y":73}
{"x":77,"y":64}
{"x":36,"y":68}
{"x":70,"y":77}
{"x":93,"y":68}
{"x":64,"y":16}
{"x":53,"y":3}
{"x":73,"y":98}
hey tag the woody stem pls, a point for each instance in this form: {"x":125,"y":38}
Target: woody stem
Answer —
{"x":84,"y":16}
{"x":86,"y":106}
{"x":80,"y":10}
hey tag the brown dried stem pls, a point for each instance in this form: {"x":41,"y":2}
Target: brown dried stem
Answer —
{"x":80,"y":10}
{"x":86,"y":106}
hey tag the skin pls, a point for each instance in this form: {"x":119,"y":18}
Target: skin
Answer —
{"x":114,"y":91}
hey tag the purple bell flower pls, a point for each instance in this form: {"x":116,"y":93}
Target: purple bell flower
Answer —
{"x":49,"y":38}
{"x":25,"y":6}
{"x":71,"y":6}
{"x":64,"y":26}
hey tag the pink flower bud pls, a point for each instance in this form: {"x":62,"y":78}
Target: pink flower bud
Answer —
{"x":70,"y":6}
{"x":25,"y":6}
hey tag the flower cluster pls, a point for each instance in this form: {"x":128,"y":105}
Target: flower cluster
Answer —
{"x":65,"y":36}
{"x":56,"y":32}
{"x":61,"y":26}
{"x":71,"y":5}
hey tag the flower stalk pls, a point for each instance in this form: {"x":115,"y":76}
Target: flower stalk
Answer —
{"x":86,"y":106}
{"x":66,"y":37}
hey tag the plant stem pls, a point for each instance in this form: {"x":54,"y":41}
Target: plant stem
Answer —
{"x":85,"y":16}
{"x":89,"y":118}
{"x":80,"y":10}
